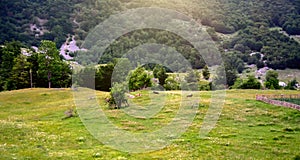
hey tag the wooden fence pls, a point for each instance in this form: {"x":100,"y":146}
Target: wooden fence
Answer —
{"x":271,"y":100}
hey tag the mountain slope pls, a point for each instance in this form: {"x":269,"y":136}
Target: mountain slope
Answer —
{"x":31,"y":20}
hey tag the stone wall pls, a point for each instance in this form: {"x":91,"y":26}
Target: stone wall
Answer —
{"x":270,"y":99}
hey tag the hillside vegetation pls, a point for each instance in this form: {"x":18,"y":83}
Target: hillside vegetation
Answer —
{"x":247,"y":23}
{"x":33,"y":127}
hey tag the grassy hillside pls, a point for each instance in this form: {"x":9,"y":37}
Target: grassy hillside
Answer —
{"x":32,"y":128}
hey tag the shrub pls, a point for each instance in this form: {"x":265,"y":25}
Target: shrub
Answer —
{"x":160,"y":72}
{"x":204,"y":85}
{"x":251,"y":83}
{"x":171,"y":83}
{"x":291,"y":85}
{"x":272,"y":81}
{"x":139,"y":79}
{"x":117,"y":94}
{"x":205,"y":73}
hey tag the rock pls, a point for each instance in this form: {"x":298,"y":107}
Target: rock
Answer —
{"x":190,"y":95}
{"x":155,"y":92}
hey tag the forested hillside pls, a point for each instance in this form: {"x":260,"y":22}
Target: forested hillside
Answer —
{"x":30,"y":21}
{"x":238,"y":27}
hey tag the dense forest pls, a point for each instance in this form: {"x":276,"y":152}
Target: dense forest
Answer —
{"x":247,"y":26}
{"x":31,"y":21}
{"x":246,"y":32}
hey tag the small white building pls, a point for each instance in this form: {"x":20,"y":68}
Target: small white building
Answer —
{"x":282,"y":84}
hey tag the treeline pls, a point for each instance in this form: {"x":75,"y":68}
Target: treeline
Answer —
{"x":141,"y":77}
{"x":21,"y":67}
{"x":121,"y":74}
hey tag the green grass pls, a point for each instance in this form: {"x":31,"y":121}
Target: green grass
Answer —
{"x":32,"y":127}
{"x":291,"y":100}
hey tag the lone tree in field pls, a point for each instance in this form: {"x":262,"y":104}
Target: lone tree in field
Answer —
{"x":117,"y":94}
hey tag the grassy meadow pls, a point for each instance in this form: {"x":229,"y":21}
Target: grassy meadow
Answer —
{"x":33,"y":127}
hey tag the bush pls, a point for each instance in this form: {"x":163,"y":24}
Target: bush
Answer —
{"x":171,"y":83}
{"x":117,"y":94}
{"x":251,"y":83}
{"x":297,"y":157}
{"x":139,"y":79}
{"x":204,"y":85}
{"x":205,"y":73}
{"x":191,"y":81}
{"x":237,"y":84}
{"x":160,"y":73}
{"x":272,"y":81}
{"x":291,"y":85}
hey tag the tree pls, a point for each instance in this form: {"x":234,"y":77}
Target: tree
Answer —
{"x":117,"y":94}
{"x":34,"y":66}
{"x":51,"y":67}
{"x":231,"y":76}
{"x":19,"y":77}
{"x":83,"y":77}
{"x":206,"y":73}
{"x":225,"y":78}
{"x":233,"y":62}
{"x":272,"y":81}
{"x":61,"y":76}
{"x":291,"y":85}
{"x":239,"y":47}
{"x":192,"y":76}
{"x":8,"y":53}
{"x":121,"y":69}
{"x":251,"y":83}
{"x":240,"y":68}
{"x":160,"y":72}
{"x":104,"y":77}
{"x":205,"y":86}
{"x":192,"y":79}
{"x":48,"y":58}
{"x":171,"y":83}
{"x":232,"y":65}
{"x":139,"y":79}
